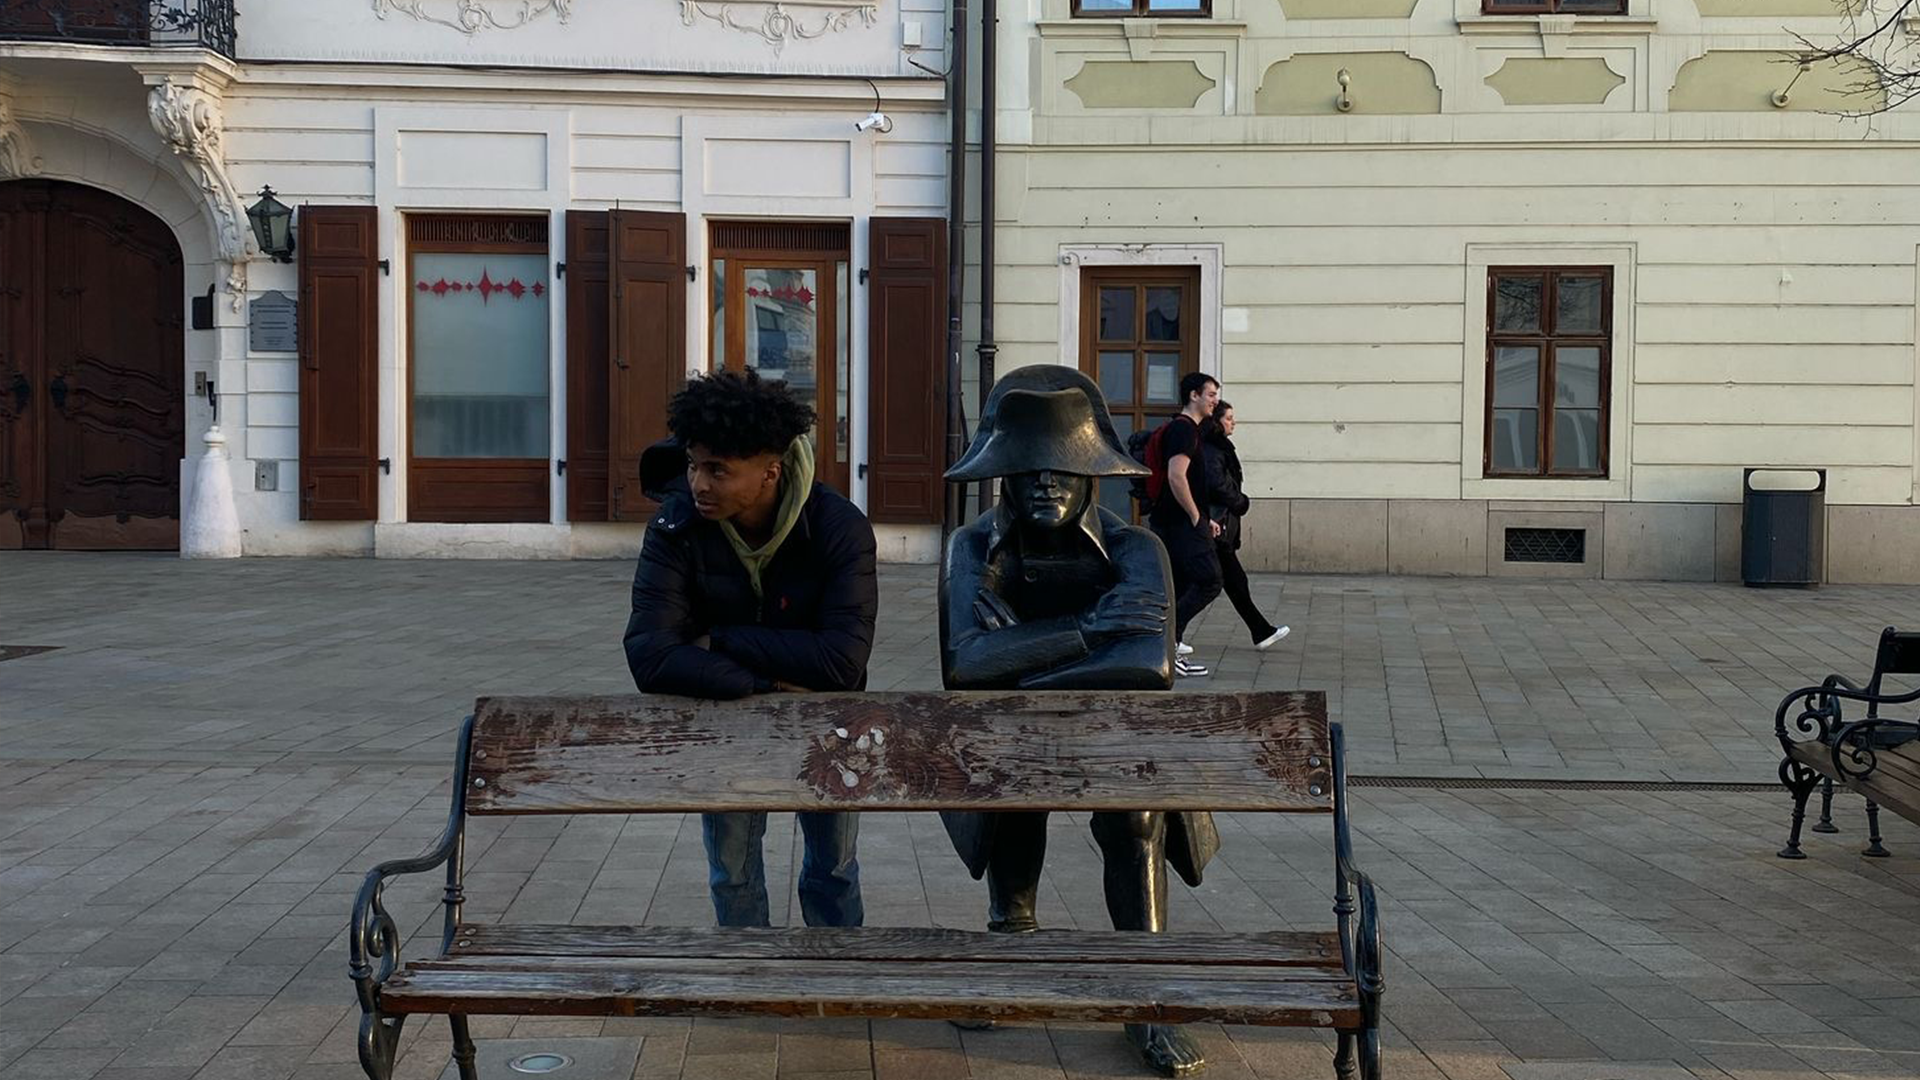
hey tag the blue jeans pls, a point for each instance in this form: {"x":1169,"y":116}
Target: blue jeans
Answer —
{"x":829,"y":873}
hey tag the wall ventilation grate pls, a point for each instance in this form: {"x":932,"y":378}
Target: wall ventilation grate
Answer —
{"x":1547,"y":546}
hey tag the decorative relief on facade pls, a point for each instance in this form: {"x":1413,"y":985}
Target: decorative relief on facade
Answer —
{"x":1584,"y":80}
{"x":1148,"y":84}
{"x":188,"y":119}
{"x":1374,"y":83}
{"x":1742,"y":81}
{"x":470,"y":17}
{"x":778,"y":22}
{"x":17,"y":158}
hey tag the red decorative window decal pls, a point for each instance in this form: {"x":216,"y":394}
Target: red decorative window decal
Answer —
{"x":486,"y":287}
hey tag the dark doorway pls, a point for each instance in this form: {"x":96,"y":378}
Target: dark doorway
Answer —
{"x":92,"y":410}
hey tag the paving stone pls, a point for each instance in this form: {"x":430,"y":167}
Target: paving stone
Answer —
{"x":176,"y":866}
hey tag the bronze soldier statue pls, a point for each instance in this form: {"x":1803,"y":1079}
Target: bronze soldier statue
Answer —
{"x":1052,"y":591}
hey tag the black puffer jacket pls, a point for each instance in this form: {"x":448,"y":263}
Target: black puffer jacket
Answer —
{"x":812,"y":626}
{"x":1225,"y":501}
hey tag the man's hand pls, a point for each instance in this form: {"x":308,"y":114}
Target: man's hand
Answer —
{"x":1120,"y":613}
{"x":1216,"y":527}
{"x":992,"y":611}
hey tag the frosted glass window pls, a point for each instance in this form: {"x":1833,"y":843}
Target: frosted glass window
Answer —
{"x":480,"y":363}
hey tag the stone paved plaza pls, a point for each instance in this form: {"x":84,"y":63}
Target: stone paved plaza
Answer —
{"x":193,"y":781}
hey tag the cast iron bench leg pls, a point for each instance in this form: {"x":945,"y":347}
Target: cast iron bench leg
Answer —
{"x":1825,"y":824}
{"x":1874,"y":850}
{"x":463,"y":1050}
{"x":1800,"y":781}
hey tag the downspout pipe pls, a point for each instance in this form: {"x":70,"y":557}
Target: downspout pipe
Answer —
{"x":956,"y":261}
{"x":987,"y":349}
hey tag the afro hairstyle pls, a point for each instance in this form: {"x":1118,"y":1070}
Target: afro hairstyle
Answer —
{"x":737,"y":414}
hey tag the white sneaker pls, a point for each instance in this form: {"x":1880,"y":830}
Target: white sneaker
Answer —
{"x":1273,"y":638}
{"x":1188,"y":669}
{"x":1183,"y":649}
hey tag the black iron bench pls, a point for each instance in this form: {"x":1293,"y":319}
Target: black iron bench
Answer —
{"x":1265,"y":752}
{"x":1873,"y":755}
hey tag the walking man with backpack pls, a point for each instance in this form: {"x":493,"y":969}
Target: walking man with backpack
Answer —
{"x":1177,"y":492}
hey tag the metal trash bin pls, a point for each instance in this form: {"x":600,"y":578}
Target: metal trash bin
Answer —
{"x":1783,"y":526}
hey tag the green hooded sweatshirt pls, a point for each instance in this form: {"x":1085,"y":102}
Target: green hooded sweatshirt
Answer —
{"x":796,"y":483}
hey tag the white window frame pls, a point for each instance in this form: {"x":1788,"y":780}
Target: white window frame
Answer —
{"x":1474,"y":483}
{"x":1210,"y":258}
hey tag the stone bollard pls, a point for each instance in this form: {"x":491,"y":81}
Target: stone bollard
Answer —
{"x":210,"y":529}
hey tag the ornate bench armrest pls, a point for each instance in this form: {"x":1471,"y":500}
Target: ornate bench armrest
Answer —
{"x":1354,"y":895}
{"x":1815,"y":711}
{"x":373,"y":940}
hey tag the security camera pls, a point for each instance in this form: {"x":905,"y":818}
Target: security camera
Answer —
{"x":875,"y":121}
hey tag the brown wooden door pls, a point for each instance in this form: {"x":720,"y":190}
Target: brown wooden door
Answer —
{"x":906,"y":357}
{"x":92,"y":421}
{"x":1139,"y":334}
{"x":780,"y":293}
{"x":647,"y":332}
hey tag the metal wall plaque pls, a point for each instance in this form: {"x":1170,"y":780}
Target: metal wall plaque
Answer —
{"x":273,"y":323}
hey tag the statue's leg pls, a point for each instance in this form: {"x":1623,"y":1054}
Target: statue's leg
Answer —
{"x":1013,"y":872}
{"x":1134,"y":847}
{"x":1013,"y":881}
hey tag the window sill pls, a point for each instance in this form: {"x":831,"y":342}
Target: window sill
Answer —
{"x":1537,"y":488}
{"x":1137,"y":26}
{"x":1556,"y":24}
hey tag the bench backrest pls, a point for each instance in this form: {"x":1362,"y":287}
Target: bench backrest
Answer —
{"x":1898,"y":654}
{"x":1061,"y":750}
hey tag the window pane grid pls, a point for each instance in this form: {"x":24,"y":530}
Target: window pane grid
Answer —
{"x":1166,"y":9}
{"x":1550,"y":419}
{"x":1553,"y":7}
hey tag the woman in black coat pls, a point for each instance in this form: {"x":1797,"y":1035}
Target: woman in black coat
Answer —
{"x":1228,"y":503}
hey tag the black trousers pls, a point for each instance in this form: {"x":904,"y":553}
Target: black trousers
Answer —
{"x":1196,"y":568}
{"x":1233,"y":578}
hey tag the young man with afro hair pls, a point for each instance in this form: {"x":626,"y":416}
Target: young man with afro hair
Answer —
{"x":753,"y":578}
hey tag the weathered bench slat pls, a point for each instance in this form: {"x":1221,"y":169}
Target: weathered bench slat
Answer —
{"x":1894,"y":782}
{"x":1110,"y":993}
{"x":907,"y":945}
{"x":902,"y":751}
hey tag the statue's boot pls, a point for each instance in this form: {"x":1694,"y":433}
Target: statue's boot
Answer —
{"x":1134,"y":846}
{"x":1167,"y":1049}
{"x":1013,"y":881}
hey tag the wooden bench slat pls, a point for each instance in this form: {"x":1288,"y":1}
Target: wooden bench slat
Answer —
{"x":1894,"y":783}
{"x":1088,"y":751}
{"x":901,"y":944}
{"x":1097,"y":993}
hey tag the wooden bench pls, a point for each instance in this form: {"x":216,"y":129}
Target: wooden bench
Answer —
{"x":1265,"y":752}
{"x":1873,"y":755}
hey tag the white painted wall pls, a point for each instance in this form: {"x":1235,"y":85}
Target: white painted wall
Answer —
{"x":1765,"y":260}
{"x":821,"y":37}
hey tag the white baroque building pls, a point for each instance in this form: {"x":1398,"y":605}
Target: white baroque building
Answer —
{"x":1497,"y":287}
{"x":518,"y":225}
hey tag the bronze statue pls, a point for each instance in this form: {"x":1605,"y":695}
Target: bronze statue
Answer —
{"x":1051,"y":591}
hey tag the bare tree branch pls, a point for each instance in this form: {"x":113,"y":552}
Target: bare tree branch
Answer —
{"x":1882,"y":41}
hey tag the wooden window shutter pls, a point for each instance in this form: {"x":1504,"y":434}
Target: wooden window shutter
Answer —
{"x":339,"y":363}
{"x":648,"y":256}
{"x":589,"y":301}
{"x":906,"y":348}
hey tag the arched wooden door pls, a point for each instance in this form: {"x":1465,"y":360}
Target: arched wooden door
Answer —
{"x":92,"y":410}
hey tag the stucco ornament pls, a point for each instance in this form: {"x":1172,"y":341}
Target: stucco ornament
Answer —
{"x":188,"y":119}
{"x":472,"y":16}
{"x":17,"y":158}
{"x":776,"y":24}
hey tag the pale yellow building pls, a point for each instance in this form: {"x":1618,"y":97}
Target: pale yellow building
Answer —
{"x":1465,"y":271}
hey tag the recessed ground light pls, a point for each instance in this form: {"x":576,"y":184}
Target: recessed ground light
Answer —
{"x":539,"y":1063}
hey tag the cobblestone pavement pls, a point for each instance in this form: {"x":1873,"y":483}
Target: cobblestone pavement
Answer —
{"x":192,"y":783}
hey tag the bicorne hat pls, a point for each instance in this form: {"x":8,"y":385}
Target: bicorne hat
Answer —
{"x":1045,"y":416}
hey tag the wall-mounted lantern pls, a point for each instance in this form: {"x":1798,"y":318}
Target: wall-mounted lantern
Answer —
{"x":272,"y":223}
